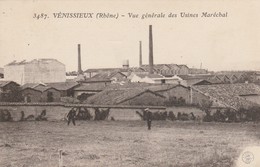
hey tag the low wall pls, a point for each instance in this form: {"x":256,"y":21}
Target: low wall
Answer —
{"x":56,"y":112}
{"x":52,"y":112}
{"x":187,"y":110}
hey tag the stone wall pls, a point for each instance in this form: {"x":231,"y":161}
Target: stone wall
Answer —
{"x":59,"y":112}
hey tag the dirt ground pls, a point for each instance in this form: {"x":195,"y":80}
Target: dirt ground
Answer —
{"x":124,"y":143}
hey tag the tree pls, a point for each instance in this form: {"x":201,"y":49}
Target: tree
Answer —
{"x":205,"y":106}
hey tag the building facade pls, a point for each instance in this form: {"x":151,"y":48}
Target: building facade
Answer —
{"x":35,"y":71}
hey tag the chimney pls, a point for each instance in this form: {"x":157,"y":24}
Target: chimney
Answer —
{"x":79,"y":61}
{"x":150,"y":50}
{"x":140,"y":54}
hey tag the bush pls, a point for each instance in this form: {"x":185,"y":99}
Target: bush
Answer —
{"x":83,"y":114}
{"x":163,"y":116}
{"x":5,"y":115}
{"x":173,"y":101}
{"x":101,"y":114}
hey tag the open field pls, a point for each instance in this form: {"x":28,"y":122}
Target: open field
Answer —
{"x":124,"y":143}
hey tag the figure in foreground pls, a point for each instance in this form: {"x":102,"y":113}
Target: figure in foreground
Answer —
{"x":71,"y":116}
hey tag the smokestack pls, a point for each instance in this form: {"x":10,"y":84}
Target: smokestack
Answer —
{"x":140,"y":54}
{"x":150,"y":50}
{"x":79,"y":60}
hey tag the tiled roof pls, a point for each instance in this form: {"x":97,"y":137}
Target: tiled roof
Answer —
{"x":164,"y":87}
{"x":171,"y":66}
{"x":116,"y":96}
{"x":107,"y":74}
{"x":89,"y":80}
{"x":42,"y":88}
{"x":97,"y":87}
{"x":129,"y":85}
{"x":4,"y":83}
{"x":31,"y":85}
{"x":62,"y":85}
{"x":37,"y":87}
{"x":144,"y":86}
{"x":149,"y":75}
{"x":26,"y":88}
{"x":191,"y":77}
{"x":230,"y":94}
{"x":183,"y":65}
{"x":197,"y":81}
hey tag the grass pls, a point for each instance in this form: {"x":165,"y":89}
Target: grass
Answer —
{"x":124,"y":143}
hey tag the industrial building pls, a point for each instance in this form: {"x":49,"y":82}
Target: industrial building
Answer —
{"x":35,"y":71}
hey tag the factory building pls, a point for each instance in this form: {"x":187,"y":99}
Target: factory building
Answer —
{"x":35,"y":71}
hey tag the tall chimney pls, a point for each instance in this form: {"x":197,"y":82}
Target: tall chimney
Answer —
{"x":79,"y":60}
{"x":140,"y":54}
{"x":150,"y":50}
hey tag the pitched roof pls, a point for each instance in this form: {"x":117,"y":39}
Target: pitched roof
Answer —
{"x":117,"y":96}
{"x":198,"y":82}
{"x":230,"y":94}
{"x":149,"y":75}
{"x":39,"y":88}
{"x":91,"y":80}
{"x":164,"y":87}
{"x":129,"y":85}
{"x":108,"y":74}
{"x":100,"y":69}
{"x":4,"y":83}
{"x":96,"y":87}
{"x":171,"y":66}
{"x":31,"y":85}
{"x":62,"y":85}
{"x":183,"y":65}
{"x":31,"y":89}
{"x":43,"y":88}
{"x":33,"y":61}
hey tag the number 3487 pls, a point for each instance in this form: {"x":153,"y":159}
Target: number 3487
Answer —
{"x":40,"y":16}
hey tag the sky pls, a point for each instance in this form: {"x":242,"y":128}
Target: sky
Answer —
{"x":223,"y":43}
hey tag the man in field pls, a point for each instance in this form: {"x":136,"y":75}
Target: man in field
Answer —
{"x":71,"y":116}
{"x":149,"y":118}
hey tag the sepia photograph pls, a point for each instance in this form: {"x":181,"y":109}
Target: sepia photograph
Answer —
{"x":129,"y":83}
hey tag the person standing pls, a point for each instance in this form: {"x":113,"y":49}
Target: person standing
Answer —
{"x":149,"y":118}
{"x":71,"y":116}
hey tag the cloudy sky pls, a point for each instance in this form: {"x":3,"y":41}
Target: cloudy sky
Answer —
{"x":224,"y":43}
